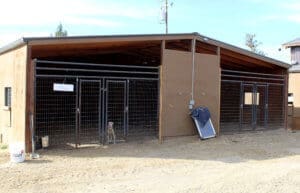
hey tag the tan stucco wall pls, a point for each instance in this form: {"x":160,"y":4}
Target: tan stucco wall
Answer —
{"x":176,"y":90}
{"x":294,"y":87}
{"x":13,"y":74}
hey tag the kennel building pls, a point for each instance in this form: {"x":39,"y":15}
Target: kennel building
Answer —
{"x":69,"y":88}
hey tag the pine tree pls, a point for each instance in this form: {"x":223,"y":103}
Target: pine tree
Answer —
{"x":60,"y":32}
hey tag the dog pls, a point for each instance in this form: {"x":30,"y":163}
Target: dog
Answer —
{"x":111,"y":136}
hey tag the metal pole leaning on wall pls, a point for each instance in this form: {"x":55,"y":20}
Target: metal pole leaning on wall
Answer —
{"x":192,"y":101}
{"x":161,"y":93}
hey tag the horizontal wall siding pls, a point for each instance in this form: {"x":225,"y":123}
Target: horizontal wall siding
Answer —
{"x":295,"y":54}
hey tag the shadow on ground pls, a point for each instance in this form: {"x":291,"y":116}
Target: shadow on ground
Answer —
{"x":225,"y":148}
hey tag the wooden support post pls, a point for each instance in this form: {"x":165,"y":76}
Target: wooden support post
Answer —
{"x":29,"y":99}
{"x":286,"y":91}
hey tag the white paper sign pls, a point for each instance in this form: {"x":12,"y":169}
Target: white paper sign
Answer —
{"x":290,"y":99}
{"x":63,"y":87}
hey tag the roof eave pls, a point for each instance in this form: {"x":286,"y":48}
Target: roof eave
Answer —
{"x":293,"y":43}
{"x":294,"y":71}
{"x":289,"y":45}
{"x":139,"y":37}
{"x":108,"y":38}
{"x":16,"y":44}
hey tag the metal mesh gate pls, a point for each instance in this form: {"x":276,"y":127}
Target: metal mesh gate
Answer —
{"x":116,"y":107}
{"x":230,"y":118}
{"x":143,"y":108}
{"x":90,"y":111}
{"x":55,"y":112}
{"x":247,"y":107}
{"x":251,"y":101}
{"x":262,"y":109}
{"x":276,"y":106}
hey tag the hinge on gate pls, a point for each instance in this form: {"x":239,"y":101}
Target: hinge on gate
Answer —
{"x":78,"y":110}
{"x":126,"y":109}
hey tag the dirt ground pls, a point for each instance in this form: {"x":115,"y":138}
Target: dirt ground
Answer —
{"x":254,"y":162}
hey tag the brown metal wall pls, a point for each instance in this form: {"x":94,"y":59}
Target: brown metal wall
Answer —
{"x":207,"y":85}
{"x":176,"y":90}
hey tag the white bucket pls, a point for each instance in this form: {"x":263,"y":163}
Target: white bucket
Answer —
{"x":17,"y":152}
{"x":45,"y":141}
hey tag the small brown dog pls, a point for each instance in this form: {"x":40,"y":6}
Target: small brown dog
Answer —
{"x":111,"y":136}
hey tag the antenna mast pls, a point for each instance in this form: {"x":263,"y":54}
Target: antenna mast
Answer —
{"x":166,"y":15}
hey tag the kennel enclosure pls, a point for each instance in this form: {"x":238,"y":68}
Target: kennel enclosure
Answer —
{"x":252,"y":101}
{"x":125,"y":95}
{"x":143,"y":83}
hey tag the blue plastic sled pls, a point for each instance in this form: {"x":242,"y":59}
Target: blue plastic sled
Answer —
{"x":201,"y":117}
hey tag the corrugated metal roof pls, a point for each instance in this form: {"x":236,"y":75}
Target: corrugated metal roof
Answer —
{"x":145,"y":36}
{"x":141,"y":37}
{"x":295,"y":42}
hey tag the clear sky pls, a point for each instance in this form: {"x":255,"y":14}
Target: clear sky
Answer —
{"x":273,"y":21}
